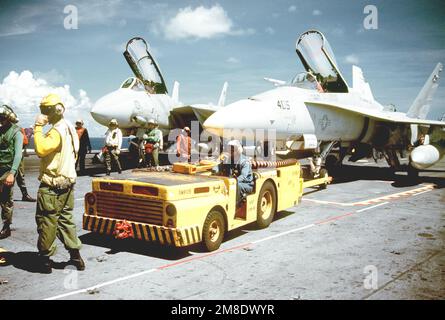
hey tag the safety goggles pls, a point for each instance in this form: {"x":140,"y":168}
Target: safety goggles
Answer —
{"x":47,"y":110}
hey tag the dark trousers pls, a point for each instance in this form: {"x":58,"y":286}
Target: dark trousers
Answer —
{"x":81,"y":161}
{"x":20,"y":177}
{"x":242,"y":190}
{"x":6,"y":198}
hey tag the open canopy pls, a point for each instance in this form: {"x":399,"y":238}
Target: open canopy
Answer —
{"x":144,"y":66}
{"x":318,"y":59}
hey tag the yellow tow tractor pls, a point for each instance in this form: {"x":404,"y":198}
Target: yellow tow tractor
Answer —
{"x":188,"y":204}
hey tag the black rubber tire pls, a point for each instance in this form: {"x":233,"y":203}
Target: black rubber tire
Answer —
{"x":214,"y":217}
{"x":323,"y":172}
{"x":331,"y":162}
{"x":268,"y":191}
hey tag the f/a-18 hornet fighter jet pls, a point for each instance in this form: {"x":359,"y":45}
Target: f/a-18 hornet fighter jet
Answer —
{"x":318,"y":113}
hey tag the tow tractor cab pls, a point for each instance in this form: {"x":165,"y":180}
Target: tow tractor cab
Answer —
{"x":189,"y":204}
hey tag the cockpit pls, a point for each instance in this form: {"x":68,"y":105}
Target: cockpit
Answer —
{"x":306,"y":80}
{"x":319,"y":61}
{"x":145,"y":68}
{"x":133,"y":83}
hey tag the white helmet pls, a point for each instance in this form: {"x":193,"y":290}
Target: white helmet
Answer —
{"x":236,"y":144}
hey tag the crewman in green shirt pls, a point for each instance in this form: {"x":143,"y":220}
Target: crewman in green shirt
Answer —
{"x":11,"y":143}
{"x":153,"y":143}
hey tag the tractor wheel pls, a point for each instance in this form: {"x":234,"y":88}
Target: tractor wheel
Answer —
{"x":213,"y":230}
{"x":267,"y":205}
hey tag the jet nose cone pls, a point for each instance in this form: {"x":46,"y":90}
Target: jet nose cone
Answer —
{"x":240,"y":119}
{"x":215,"y":124}
{"x":112,"y":106}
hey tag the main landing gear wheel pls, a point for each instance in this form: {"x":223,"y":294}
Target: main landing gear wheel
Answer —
{"x":267,"y":205}
{"x":213,"y":230}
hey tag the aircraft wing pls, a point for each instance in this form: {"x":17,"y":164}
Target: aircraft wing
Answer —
{"x":182,"y":115}
{"x":394,"y":117}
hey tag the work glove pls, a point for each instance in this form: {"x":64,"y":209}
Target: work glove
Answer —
{"x":41,"y":120}
{"x":118,"y":151}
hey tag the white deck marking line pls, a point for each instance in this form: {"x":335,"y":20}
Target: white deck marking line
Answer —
{"x":284,"y":233}
{"x":198,"y":257}
{"x":378,"y":199}
{"x":329,"y":202}
{"x":372,"y":207}
{"x":421,"y":192}
{"x":103,"y":284}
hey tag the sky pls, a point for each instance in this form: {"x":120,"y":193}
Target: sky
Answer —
{"x":201,"y":44}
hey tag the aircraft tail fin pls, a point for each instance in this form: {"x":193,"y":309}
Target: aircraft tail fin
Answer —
{"x":175,"y":92}
{"x":359,"y":83}
{"x":421,"y":105}
{"x":222,"y":97}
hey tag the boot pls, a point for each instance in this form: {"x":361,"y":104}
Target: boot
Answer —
{"x":76,"y":260}
{"x":46,"y":265}
{"x":6,"y":231}
{"x":26,"y":197}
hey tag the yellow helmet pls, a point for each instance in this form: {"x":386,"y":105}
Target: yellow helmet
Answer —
{"x":51,"y":100}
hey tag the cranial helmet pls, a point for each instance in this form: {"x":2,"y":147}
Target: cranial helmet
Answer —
{"x":7,"y":113}
{"x":236,"y":144}
{"x":52,"y":104}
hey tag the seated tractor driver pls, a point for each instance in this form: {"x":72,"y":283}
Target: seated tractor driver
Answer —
{"x":236,"y":165}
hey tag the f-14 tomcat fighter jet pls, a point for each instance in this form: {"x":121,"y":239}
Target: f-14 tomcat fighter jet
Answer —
{"x":318,"y":110}
{"x":145,"y":96}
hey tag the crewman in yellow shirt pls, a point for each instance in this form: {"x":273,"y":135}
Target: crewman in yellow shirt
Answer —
{"x":55,"y":199}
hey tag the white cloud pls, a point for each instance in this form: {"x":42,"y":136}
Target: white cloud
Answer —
{"x":352,"y":59}
{"x":316,"y":12}
{"x":232,"y":60}
{"x":292,"y":8}
{"x":24,"y":91}
{"x":17,"y":30}
{"x":270,"y":30}
{"x":198,"y":23}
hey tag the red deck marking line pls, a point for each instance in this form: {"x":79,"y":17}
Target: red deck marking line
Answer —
{"x":406,"y":193}
{"x":334,"y":218}
{"x":202,"y":256}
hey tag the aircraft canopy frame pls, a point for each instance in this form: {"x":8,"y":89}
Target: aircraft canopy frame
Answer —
{"x":144,"y":66}
{"x":318,"y":59}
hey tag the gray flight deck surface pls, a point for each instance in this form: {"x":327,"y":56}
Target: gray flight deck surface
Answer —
{"x":325,"y":248}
